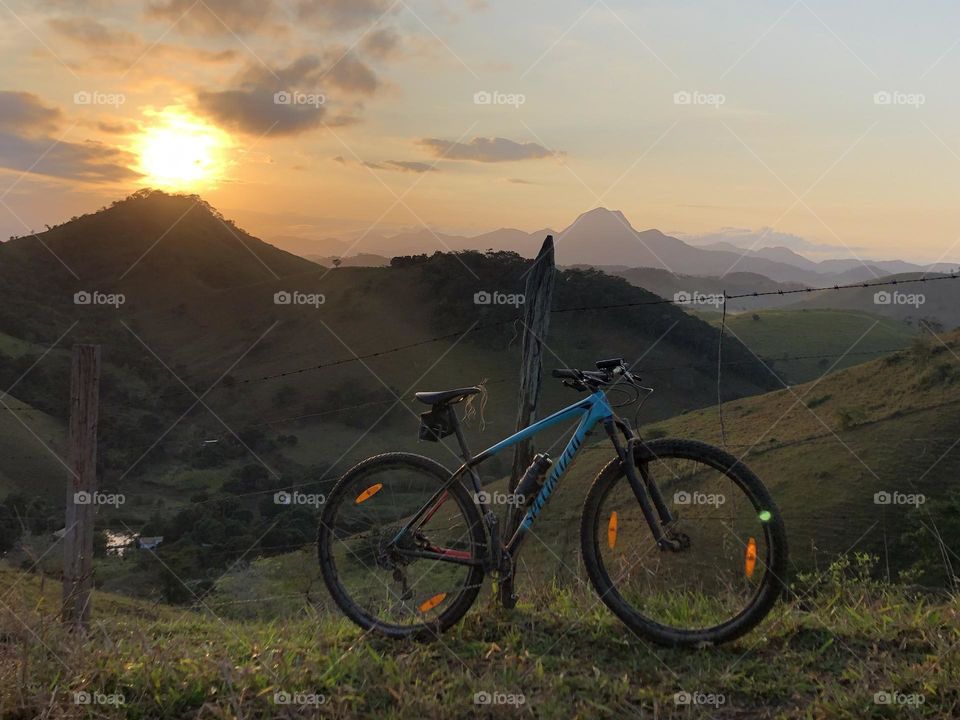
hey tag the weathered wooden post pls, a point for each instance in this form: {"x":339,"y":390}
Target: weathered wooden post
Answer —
{"x":81,"y":484}
{"x":538,"y":295}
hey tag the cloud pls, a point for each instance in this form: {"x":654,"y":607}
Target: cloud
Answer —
{"x":401,"y":165}
{"x":74,"y":4}
{"x":253,"y":111}
{"x":90,"y":32}
{"x":341,"y":14}
{"x":288,"y":100}
{"x":118,"y":127}
{"x":520,"y":181}
{"x":23,"y":112}
{"x":88,"y":162}
{"x":118,"y":50}
{"x":214,"y":17}
{"x":487,"y":150}
{"x":381,"y":44}
{"x":349,"y":73}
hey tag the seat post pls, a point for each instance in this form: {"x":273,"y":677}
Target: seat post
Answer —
{"x":465,"y":451}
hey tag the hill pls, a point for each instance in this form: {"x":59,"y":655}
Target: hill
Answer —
{"x":288,"y":393}
{"x":822,"y":340}
{"x":360,"y":260}
{"x":934,"y":302}
{"x":824,"y":449}
{"x":667,"y":285}
{"x":152,"y":247}
{"x":557,"y":655}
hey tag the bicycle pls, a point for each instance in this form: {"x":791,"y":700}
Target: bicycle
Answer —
{"x":404,"y":544}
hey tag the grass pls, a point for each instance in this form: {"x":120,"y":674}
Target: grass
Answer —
{"x":825,"y":655}
{"x":776,"y":334}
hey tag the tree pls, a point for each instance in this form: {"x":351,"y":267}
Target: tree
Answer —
{"x":336,"y":262}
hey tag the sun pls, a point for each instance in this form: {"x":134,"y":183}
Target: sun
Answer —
{"x":181,"y":152}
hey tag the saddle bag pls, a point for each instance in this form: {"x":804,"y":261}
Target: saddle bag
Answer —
{"x":436,"y":423}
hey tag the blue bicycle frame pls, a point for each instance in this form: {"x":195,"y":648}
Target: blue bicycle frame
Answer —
{"x":593,"y":409}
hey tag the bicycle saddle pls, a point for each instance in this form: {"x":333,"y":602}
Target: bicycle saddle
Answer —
{"x":446,"y":396}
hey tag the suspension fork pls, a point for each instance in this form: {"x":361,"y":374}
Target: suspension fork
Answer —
{"x":643,"y":486}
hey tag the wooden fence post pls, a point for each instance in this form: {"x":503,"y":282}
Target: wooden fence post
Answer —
{"x":81,"y":484}
{"x":536,"y":318}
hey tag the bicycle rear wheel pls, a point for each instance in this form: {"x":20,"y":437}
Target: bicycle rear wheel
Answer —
{"x":732,"y":556}
{"x":390,"y":589}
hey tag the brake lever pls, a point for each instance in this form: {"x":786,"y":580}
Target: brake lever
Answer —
{"x":575,"y":385}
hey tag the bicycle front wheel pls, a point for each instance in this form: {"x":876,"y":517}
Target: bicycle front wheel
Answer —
{"x":727,"y":566}
{"x":420,"y":586}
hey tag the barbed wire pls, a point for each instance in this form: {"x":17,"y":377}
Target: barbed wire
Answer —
{"x":585,"y":308}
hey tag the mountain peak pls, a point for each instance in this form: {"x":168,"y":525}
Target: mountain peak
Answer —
{"x":152,"y":235}
{"x":602,"y":214}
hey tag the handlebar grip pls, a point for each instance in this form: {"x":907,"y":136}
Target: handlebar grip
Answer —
{"x":565,"y":374}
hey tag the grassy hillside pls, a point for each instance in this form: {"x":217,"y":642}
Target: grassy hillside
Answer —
{"x":931,"y":301}
{"x":26,"y":463}
{"x":779,"y":334}
{"x":827,"y":654}
{"x":824,"y":449}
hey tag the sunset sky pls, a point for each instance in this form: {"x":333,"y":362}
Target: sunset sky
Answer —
{"x":834,"y":123}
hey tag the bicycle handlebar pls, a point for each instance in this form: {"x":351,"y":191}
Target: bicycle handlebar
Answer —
{"x":609,"y":371}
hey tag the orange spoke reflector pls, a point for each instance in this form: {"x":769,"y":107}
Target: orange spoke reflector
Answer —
{"x":612,"y":530}
{"x":369,"y":492}
{"x":750,"y":558}
{"x":428,"y":605}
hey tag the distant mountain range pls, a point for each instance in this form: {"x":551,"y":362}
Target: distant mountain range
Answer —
{"x":172,"y":290}
{"x":605,"y":238}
